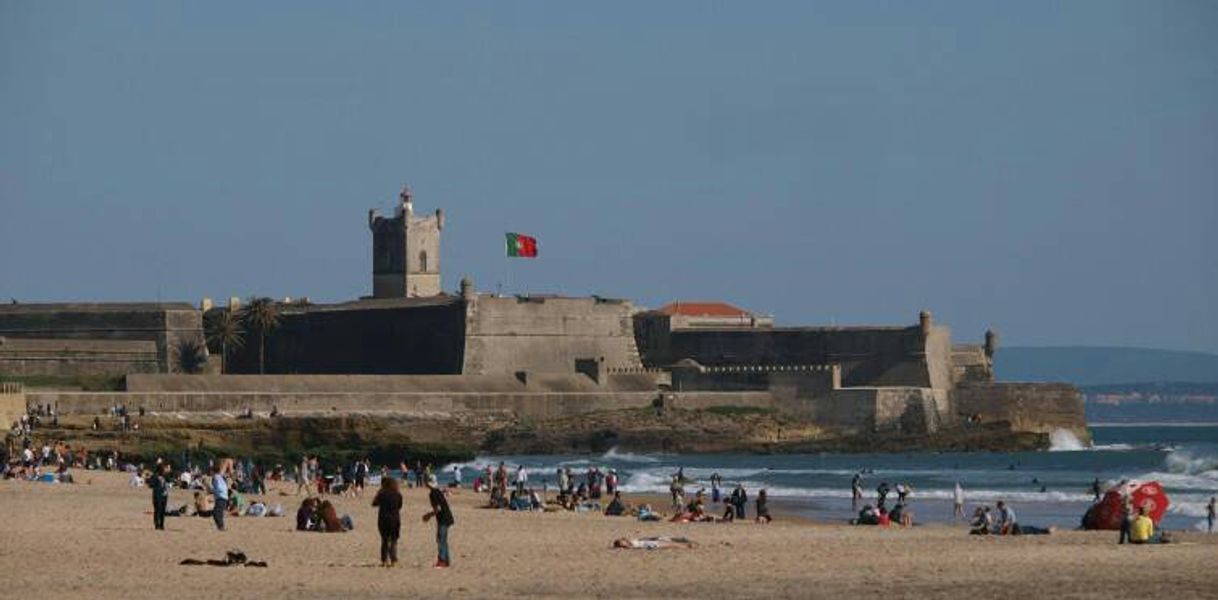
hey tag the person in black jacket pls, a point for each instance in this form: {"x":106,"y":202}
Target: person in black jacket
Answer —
{"x":444,"y":520}
{"x":159,"y":483}
{"x":389,"y":519}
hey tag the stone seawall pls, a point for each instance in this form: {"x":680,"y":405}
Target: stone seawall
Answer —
{"x":1031,"y":407}
{"x":533,"y":405}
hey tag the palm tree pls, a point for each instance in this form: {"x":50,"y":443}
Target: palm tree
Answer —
{"x":189,"y":355}
{"x":262,"y":315}
{"x":224,"y":329}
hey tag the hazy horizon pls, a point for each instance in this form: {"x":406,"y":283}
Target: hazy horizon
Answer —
{"x":1044,"y":169}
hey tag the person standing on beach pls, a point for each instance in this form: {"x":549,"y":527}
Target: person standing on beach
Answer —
{"x":958,"y":501}
{"x":219,"y":491}
{"x":1095,"y":489}
{"x":159,"y":483}
{"x":1126,"y":520}
{"x":522,"y":479}
{"x":716,"y":481}
{"x":1209,"y":512}
{"x":856,"y":490}
{"x":389,"y":519}
{"x":881,"y":494}
{"x":444,"y":520}
{"x":302,"y":477}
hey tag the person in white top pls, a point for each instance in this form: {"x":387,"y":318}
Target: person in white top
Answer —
{"x":522,"y":478}
{"x":959,"y":501}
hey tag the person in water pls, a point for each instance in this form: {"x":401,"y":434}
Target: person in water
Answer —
{"x":388,"y":501}
{"x":444,"y":520}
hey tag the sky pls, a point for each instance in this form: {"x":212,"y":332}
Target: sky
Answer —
{"x":1047,"y":169}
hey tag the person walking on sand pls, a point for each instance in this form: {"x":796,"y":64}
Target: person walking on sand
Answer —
{"x":388,"y":501}
{"x":444,"y":520}
{"x":1209,"y":513}
{"x":219,"y":491}
{"x":159,"y":483}
{"x":958,"y":501}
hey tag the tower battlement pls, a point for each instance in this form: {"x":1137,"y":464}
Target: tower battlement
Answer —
{"x":405,"y":251}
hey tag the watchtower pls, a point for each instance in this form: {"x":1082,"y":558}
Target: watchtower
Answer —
{"x":405,"y":251}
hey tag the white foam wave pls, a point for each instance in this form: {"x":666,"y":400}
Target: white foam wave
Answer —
{"x":1064,"y":440}
{"x":1188,"y":462}
{"x":1188,"y":509}
{"x":1207,"y":480}
{"x":614,"y":455}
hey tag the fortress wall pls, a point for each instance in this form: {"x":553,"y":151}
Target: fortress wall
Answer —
{"x":505,"y":335}
{"x":163,"y":323}
{"x":364,"y":337}
{"x":389,"y":384}
{"x":12,"y":406}
{"x":1035,"y":407}
{"x":866,"y":410}
{"x":538,"y":405}
{"x":68,"y":357}
{"x":869,"y":356}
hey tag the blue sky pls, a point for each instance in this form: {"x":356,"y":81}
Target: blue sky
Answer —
{"x":1048,"y":169}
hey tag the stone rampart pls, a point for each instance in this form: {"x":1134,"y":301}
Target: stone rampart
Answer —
{"x":68,"y":357}
{"x":869,"y":356}
{"x":547,"y":334}
{"x":163,"y":323}
{"x":1034,"y":407}
{"x":12,"y":403}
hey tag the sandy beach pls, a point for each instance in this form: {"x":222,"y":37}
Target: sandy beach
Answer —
{"x":94,"y":539}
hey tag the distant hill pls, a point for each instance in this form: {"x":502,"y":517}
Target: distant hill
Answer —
{"x":1095,"y":365}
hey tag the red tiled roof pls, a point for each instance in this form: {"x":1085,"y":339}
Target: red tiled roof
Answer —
{"x":703,"y":309}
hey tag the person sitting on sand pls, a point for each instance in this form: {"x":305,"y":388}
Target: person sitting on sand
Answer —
{"x":982,"y":522}
{"x":306,"y":515}
{"x":616,"y":507}
{"x":763,"y":509}
{"x":519,"y":502}
{"x":646,"y":514}
{"x":203,"y":504}
{"x":1006,"y":520}
{"x":330,"y":523}
{"x":1143,"y":529}
{"x":901,"y":515}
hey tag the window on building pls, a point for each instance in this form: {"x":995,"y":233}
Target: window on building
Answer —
{"x":423,"y":261}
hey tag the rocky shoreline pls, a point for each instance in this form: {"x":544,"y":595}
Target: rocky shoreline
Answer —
{"x":441,"y":438}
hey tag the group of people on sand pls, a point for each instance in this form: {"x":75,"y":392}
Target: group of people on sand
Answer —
{"x":218,"y":498}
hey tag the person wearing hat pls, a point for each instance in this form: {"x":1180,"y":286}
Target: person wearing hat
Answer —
{"x":444,"y":520}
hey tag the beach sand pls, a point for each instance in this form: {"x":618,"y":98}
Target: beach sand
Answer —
{"x":95,"y":540}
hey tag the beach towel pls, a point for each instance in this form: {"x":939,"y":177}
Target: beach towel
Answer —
{"x":653,"y":543}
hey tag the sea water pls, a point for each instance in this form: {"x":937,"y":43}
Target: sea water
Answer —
{"x":1045,"y":488}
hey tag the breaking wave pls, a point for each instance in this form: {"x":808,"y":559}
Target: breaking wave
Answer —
{"x":630,"y":457}
{"x":1063,"y":440}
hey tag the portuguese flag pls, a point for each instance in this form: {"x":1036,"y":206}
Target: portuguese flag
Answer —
{"x":521,"y":245}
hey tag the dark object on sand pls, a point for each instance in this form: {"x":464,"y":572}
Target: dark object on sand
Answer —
{"x":232,"y":558}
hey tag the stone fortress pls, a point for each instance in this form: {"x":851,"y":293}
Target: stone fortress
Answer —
{"x":411,"y":348}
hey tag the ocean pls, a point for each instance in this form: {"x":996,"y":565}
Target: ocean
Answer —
{"x":1045,"y":488}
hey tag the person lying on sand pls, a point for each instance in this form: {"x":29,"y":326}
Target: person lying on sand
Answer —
{"x":653,"y":543}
